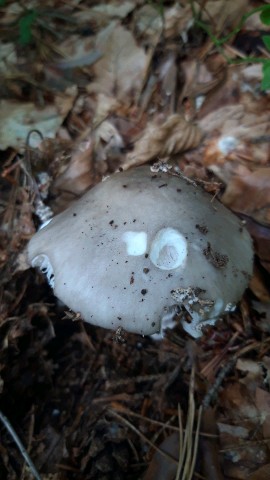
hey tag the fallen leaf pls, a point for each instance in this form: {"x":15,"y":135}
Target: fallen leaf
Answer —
{"x":114,"y":10}
{"x":261,"y":237}
{"x":226,"y":13}
{"x":263,"y":321}
{"x":8,"y":57}
{"x":209,"y":445}
{"x":105,"y":105}
{"x":199,"y":79}
{"x":263,"y":473}
{"x":239,"y":401}
{"x":251,"y":372}
{"x":161,"y":140}
{"x":259,"y":284}
{"x":98,"y":16}
{"x":250,"y":194}
{"x":148,"y":21}
{"x":77,"y":51}
{"x":120,"y":71}
{"x":78,"y":175}
{"x":161,"y":467}
{"x":176,"y":21}
{"x":235,"y":121}
{"x":108,"y":145}
{"x":262,"y":402}
{"x":11,"y":13}
{"x":17,"y":119}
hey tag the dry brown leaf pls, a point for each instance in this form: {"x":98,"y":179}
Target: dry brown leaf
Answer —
{"x":77,"y":51}
{"x":263,"y":473}
{"x":100,"y":15}
{"x":210,"y":446}
{"x":243,"y":419}
{"x":237,"y":121}
{"x":239,"y":401}
{"x":235,"y":108}
{"x":177,"y":20}
{"x":223,"y":13}
{"x":262,"y":402}
{"x":261,"y":237}
{"x":78,"y":175}
{"x":8,"y":58}
{"x":162,"y":140}
{"x":168,"y":75}
{"x":11,"y":13}
{"x":252,"y":73}
{"x":258,"y":287}
{"x":104,"y":106}
{"x":251,"y":373}
{"x":148,"y":22}
{"x":160,"y":467}
{"x":108,"y":143}
{"x":118,"y":9}
{"x":199,"y":80}
{"x":17,"y":119}
{"x":263,"y":323}
{"x":228,"y":149}
{"x":120,"y":71}
{"x":250,"y":194}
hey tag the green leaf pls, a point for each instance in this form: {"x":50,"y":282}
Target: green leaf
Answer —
{"x":265,"y":15}
{"x":265,"y":85}
{"x":25,"y":27}
{"x":266,"y":41}
{"x":2,"y":3}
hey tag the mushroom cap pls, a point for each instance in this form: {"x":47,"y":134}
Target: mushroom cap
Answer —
{"x":139,"y":244}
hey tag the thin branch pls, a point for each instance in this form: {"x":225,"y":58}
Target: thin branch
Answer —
{"x":165,"y":425}
{"x":128,"y":424}
{"x":20,"y":446}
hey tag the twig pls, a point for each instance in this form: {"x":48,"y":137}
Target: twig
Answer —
{"x":20,"y":446}
{"x":213,"y":390}
{"x":128,"y":424}
{"x":165,"y":426}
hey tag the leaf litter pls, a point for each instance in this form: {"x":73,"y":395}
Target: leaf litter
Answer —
{"x":86,"y":90}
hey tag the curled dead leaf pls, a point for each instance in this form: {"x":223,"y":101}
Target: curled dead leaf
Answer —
{"x":250,"y":194}
{"x":173,"y":136}
{"x":261,"y":237}
{"x":262,"y":473}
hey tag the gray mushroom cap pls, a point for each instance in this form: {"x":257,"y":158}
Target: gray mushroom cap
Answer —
{"x":141,"y":245}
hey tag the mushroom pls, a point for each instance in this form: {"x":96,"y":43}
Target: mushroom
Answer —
{"x":140,"y":247}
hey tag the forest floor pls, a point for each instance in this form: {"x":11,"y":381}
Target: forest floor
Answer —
{"x":87,"y":88}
